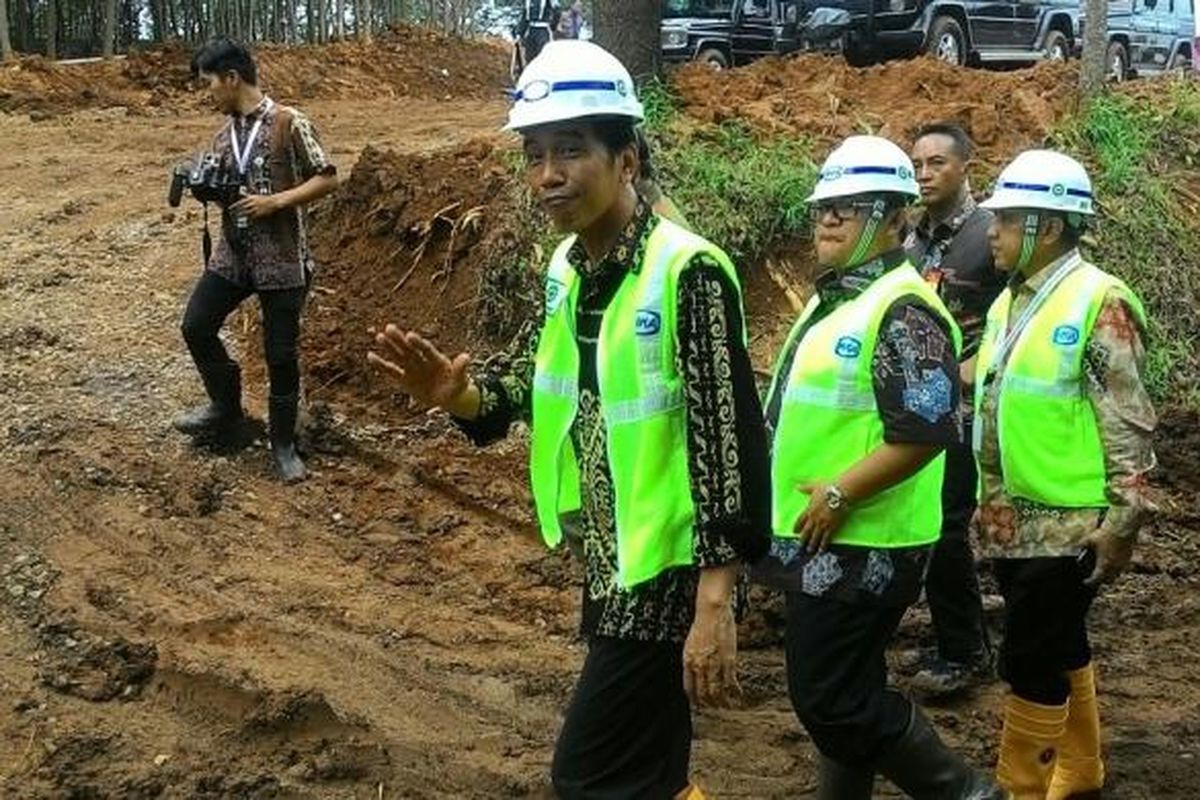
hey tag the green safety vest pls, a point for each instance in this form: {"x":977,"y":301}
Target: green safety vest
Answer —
{"x":641,"y":399}
{"x":1050,"y":446}
{"x":828,"y":419}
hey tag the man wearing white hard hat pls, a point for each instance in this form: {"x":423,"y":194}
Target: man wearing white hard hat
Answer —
{"x":1062,"y":441}
{"x":647,"y":433}
{"x":863,"y":403}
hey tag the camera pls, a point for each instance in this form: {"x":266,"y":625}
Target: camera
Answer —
{"x":208,"y":179}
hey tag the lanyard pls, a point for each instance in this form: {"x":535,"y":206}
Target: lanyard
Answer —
{"x":1010,"y":339}
{"x":242,"y":157}
{"x":1064,"y":269}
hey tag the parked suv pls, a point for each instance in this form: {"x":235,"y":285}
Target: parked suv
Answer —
{"x":962,"y":31}
{"x":726,"y":33}
{"x":1150,"y":37}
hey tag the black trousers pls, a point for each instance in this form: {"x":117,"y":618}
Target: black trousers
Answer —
{"x":214,"y":298}
{"x":628,"y":729}
{"x":837,"y":676}
{"x":1045,"y":625}
{"x":951,"y":585}
{"x":535,"y":39}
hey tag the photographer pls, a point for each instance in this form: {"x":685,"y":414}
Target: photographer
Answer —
{"x":271,"y":156}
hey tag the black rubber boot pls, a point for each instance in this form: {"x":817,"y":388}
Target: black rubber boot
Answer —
{"x":925,"y":769}
{"x":837,"y":782}
{"x":288,"y":465}
{"x":223,"y":382}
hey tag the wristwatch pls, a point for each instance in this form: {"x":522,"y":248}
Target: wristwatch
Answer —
{"x":834,"y":498}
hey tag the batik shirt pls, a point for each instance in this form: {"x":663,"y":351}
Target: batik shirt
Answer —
{"x":916,"y":385}
{"x":276,"y":254}
{"x":729,"y":473}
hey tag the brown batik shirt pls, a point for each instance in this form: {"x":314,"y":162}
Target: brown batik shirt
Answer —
{"x":274,"y":254}
{"x":727,"y":448}
{"x":1113,"y":363}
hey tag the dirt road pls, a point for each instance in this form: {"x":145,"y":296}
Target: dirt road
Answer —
{"x":175,"y":624}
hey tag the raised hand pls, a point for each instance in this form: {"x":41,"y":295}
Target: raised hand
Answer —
{"x":421,"y":370}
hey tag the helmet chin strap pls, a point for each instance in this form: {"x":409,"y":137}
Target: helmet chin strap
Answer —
{"x":1033,"y":222}
{"x":867,"y":237}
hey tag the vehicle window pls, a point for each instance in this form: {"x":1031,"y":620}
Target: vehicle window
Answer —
{"x":697,"y":8}
{"x":756,"y":8}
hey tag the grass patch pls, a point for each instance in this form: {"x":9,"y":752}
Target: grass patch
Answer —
{"x":1143,"y":157}
{"x":744,"y":192}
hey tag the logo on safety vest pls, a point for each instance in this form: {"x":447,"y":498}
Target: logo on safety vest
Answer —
{"x":647,"y":323}
{"x":848,"y":347}
{"x":556,"y":293}
{"x":1066,"y":335}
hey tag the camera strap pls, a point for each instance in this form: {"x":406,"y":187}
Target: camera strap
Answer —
{"x":206,"y":239}
{"x":242,"y":157}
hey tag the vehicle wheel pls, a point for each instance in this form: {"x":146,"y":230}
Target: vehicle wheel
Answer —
{"x":1180,"y":64}
{"x":947,"y":42}
{"x":713,"y":57}
{"x":1058,"y":48}
{"x":1118,"y":62}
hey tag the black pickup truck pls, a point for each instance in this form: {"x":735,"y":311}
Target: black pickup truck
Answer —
{"x":730,"y":32}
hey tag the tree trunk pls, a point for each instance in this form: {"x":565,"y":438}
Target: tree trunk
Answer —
{"x":52,"y":29}
{"x":362,"y":20}
{"x":1094,"y":67}
{"x":110,"y":28}
{"x":340,"y":21}
{"x":629,"y":29}
{"x":6,"y":48}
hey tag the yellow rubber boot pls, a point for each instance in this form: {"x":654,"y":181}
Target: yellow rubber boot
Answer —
{"x":1028,"y":747}
{"x":1079,"y":770}
{"x":692,"y":792}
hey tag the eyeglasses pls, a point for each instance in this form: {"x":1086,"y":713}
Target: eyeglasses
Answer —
{"x":843,"y":210}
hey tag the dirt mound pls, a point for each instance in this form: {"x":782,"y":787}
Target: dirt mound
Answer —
{"x":432,"y":242}
{"x":823,"y":98}
{"x":406,"y":61}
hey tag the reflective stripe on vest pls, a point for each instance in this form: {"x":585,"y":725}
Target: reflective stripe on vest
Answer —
{"x":641,"y":400}
{"x":1050,"y":446}
{"x":828,"y":420}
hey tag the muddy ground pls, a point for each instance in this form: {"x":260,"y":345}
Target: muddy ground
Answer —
{"x":174,"y":623}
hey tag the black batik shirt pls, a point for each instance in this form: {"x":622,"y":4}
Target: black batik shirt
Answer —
{"x":727,"y":451}
{"x":916,"y":385}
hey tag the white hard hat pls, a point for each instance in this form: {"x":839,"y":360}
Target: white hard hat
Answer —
{"x":572,"y":79}
{"x":1043,"y":179}
{"x":865,"y":165}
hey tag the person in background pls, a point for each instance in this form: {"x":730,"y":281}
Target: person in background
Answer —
{"x":263,"y":250}
{"x":949,"y":247}
{"x":534,"y":29}
{"x":571,"y":23}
